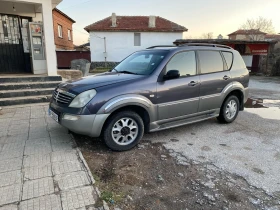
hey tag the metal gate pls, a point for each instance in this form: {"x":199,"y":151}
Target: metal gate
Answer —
{"x":11,"y":46}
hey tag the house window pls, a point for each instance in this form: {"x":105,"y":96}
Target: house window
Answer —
{"x":69,"y":35}
{"x":60,"y":31}
{"x":137,"y":39}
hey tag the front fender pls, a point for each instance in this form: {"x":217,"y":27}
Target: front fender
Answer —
{"x":129,"y":100}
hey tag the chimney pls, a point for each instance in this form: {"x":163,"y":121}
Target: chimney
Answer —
{"x":114,"y":20}
{"x":152,"y":21}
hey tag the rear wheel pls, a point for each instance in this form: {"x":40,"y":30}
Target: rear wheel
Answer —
{"x":123,"y":131}
{"x":229,"y":109}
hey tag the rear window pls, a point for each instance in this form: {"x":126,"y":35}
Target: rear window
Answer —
{"x":210,"y":61}
{"x":228,"y":57}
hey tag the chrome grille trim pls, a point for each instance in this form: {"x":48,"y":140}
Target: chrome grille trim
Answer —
{"x":62,"y":96}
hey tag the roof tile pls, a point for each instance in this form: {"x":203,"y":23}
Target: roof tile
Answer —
{"x":135,"y":23}
{"x":251,"y":31}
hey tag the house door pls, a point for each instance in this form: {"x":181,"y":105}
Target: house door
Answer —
{"x":12,"y":57}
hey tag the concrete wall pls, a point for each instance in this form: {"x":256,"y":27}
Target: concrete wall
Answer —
{"x":27,"y":10}
{"x":121,"y":44}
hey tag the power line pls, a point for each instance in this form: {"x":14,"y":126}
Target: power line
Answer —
{"x":80,"y":31}
{"x":89,"y":34}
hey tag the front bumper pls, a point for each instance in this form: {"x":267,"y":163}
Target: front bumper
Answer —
{"x":90,"y":125}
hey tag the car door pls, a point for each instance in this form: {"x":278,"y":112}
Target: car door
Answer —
{"x":179,"y":96}
{"x":214,"y":77}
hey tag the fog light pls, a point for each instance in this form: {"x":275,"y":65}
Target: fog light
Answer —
{"x":70,"y":117}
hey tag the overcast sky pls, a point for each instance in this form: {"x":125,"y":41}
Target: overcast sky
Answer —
{"x":199,"y":16}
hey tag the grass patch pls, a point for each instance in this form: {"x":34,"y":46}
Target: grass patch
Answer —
{"x":107,"y":196}
{"x":96,"y":178}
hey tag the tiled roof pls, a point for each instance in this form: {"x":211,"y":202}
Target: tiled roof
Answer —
{"x":251,"y":31}
{"x":272,"y":36}
{"x":135,"y":23}
{"x":62,"y":13}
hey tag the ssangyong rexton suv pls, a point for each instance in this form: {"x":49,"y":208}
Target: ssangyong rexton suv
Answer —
{"x":154,"y":89}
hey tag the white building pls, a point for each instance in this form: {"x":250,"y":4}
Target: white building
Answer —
{"x":27,"y":37}
{"x":115,"y":37}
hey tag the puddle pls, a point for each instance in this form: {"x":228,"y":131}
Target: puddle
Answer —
{"x":254,"y":103}
{"x":265,"y":108}
{"x":261,"y":103}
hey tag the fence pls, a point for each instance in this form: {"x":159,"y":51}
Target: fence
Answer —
{"x":64,"y":58}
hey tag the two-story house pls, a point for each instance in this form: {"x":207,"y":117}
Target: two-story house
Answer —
{"x":63,"y":32}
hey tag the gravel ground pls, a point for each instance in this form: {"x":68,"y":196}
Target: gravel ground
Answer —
{"x":248,"y":147}
{"x":234,"y":166}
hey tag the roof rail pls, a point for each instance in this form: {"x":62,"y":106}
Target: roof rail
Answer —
{"x":161,"y":46}
{"x":205,"y":45}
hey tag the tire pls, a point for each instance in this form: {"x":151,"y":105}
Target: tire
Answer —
{"x":227,"y":114}
{"x":123,"y":131}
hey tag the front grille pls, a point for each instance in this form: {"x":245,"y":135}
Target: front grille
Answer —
{"x":62,"y":97}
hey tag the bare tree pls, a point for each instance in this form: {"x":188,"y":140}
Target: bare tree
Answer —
{"x":260,"y":24}
{"x":190,"y":37}
{"x":208,"y":35}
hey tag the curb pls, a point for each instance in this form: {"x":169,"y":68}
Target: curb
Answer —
{"x":105,"y":205}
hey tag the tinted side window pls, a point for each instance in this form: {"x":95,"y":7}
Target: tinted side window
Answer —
{"x":228,"y":57}
{"x":184,"y":62}
{"x":238,"y":62}
{"x":210,"y":61}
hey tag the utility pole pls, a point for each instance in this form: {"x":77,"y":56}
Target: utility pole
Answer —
{"x":105,"y":52}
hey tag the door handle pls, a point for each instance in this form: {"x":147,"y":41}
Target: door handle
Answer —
{"x":226,"y":77}
{"x":192,"y":83}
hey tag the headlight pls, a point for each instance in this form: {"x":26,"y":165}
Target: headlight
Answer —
{"x":83,"y":98}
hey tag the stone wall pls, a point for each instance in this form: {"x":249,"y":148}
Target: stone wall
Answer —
{"x":70,"y":74}
{"x":103,"y":64}
{"x":270,"y":64}
{"x":276,"y":63}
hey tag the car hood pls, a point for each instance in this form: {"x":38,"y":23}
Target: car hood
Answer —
{"x":95,"y":81}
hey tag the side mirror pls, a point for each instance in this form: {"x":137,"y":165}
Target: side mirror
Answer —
{"x":172,"y":74}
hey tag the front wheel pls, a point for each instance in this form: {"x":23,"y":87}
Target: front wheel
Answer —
{"x":229,"y":110}
{"x":123,"y":131}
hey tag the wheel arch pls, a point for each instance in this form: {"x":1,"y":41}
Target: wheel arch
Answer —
{"x":237,"y":89}
{"x":139,"y":104}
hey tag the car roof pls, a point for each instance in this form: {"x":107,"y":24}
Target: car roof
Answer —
{"x":191,"y":46}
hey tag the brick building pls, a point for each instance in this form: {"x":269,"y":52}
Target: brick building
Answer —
{"x":63,"y":33}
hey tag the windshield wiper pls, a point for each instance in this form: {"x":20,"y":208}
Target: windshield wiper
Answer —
{"x":127,"y":72}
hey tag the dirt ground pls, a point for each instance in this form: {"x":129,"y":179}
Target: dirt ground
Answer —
{"x":149,"y":177}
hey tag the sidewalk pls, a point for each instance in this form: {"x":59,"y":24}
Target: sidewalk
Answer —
{"x":40,"y":168}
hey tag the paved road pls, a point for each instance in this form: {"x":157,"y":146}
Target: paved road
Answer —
{"x":39,"y":165}
{"x":249,"y":147}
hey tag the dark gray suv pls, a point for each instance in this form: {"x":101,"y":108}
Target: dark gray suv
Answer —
{"x":154,"y":89}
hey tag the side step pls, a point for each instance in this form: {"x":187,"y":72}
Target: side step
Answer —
{"x":157,"y":126}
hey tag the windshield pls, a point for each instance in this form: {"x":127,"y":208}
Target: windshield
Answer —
{"x":142,"y":63}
